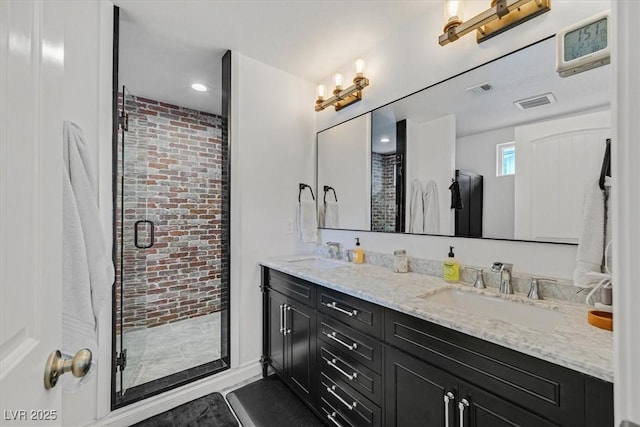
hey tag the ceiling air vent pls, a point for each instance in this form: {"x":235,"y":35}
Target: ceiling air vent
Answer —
{"x":481,"y":88}
{"x":535,"y":101}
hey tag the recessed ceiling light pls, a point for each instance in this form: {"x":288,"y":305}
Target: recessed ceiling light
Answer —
{"x":199,"y":87}
{"x":385,"y":139}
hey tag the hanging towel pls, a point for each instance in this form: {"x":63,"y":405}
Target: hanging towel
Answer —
{"x":456,"y":198}
{"x":307,"y":221}
{"x":331,"y":214}
{"x":591,"y":239}
{"x":416,"y":208}
{"x":87,"y":272}
{"x":431,"y":213}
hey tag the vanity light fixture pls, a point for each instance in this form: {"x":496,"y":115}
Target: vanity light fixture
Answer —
{"x":501,"y":16}
{"x":343,"y":97}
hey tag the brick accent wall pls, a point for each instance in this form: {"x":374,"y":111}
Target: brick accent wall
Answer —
{"x":383,"y":195}
{"x":173,"y":176}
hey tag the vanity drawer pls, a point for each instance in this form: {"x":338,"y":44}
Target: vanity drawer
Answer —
{"x":544,"y":387}
{"x":293,"y":287}
{"x":360,"y":347}
{"x":361,"y":315}
{"x":348,"y":372}
{"x":350,"y":405}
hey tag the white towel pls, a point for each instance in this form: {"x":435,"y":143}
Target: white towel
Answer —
{"x":307,"y":221}
{"x":431,"y":213}
{"x":331,"y":214}
{"x":416,"y":208}
{"x":591,"y":240}
{"x":87,"y":267}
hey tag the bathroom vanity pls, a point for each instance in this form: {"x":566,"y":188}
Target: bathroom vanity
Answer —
{"x":363,"y":346}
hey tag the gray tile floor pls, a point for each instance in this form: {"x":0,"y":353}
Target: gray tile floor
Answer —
{"x":164,"y":350}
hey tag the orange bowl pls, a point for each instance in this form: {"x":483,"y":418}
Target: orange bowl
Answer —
{"x":601,"y":319}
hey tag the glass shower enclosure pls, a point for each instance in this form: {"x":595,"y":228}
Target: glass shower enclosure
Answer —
{"x":171,"y":256}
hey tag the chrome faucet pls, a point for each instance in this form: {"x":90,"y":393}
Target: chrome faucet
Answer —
{"x":505,"y":276}
{"x":534,"y":292}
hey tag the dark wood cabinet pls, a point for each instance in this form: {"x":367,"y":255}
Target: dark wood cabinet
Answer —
{"x":358,"y":364}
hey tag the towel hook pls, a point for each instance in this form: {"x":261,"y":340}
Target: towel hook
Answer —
{"x":301,"y":187}
{"x":326,"y":189}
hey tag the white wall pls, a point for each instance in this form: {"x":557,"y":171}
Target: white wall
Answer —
{"x":344,"y":163}
{"x":431,"y":156}
{"x":477,"y":153}
{"x":272,"y":150}
{"x":412,"y":59}
{"x":87,"y":102}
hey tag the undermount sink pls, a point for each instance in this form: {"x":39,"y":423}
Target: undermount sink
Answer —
{"x":493,"y":307}
{"x":318,"y":263}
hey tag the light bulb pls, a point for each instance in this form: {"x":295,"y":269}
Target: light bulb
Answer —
{"x":338,"y":80}
{"x":359,"y":67}
{"x":452,"y":13}
{"x":321,"y":91}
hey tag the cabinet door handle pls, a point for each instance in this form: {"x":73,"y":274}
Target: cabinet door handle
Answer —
{"x":333,"y":420}
{"x":333,"y":362}
{"x":282,"y":318}
{"x":332,"y":336}
{"x":462,"y":405}
{"x":448,"y":398}
{"x":334,"y":306}
{"x":287,"y":320}
{"x":349,"y":406}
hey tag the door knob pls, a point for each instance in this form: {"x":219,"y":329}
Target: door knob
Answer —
{"x":57,"y":365}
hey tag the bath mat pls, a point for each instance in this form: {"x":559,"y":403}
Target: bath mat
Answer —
{"x":211,"y":411}
{"x":270,"y":403}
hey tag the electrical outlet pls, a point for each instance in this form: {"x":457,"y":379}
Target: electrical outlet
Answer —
{"x":289,"y":229}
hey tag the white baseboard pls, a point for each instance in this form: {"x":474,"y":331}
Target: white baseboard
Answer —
{"x":155,"y":405}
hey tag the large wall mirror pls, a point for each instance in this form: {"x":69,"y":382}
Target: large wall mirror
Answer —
{"x":504,"y":151}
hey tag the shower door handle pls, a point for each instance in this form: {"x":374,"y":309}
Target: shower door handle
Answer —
{"x":136,"y":229}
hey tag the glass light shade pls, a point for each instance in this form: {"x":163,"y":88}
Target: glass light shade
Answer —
{"x":359,"y":67}
{"x":452,"y":13}
{"x":338,"y":80}
{"x":321,"y":91}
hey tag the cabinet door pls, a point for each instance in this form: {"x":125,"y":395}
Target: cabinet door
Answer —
{"x":415,"y":391}
{"x":487,"y":410}
{"x":300,"y":347}
{"x":276,"y":337}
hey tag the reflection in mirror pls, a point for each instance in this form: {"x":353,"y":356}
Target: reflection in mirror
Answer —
{"x":344,"y":165}
{"x":520,"y":144}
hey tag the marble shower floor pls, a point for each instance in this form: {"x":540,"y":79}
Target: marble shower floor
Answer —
{"x":164,"y":350}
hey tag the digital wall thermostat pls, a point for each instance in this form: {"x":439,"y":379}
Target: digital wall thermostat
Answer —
{"x":584,"y":45}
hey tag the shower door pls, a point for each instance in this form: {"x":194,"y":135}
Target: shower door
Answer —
{"x":172,"y":288}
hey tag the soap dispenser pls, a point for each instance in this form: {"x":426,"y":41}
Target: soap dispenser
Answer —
{"x":451,"y":267}
{"x":358,"y":252}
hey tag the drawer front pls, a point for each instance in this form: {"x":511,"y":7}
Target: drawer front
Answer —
{"x":360,"y":347}
{"x":361,"y":315}
{"x":349,"y":373}
{"x":533,"y":383}
{"x":293,"y":287}
{"x":351,"y":406}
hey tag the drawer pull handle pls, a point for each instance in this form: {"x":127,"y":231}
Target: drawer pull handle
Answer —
{"x":282,"y":318}
{"x":461,"y":407}
{"x":333,"y":362}
{"x":332,"y":336}
{"x":448,"y":398}
{"x":333,"y":420}
{"x":344,"y":402}
{"x":287,"y":308}
{"x":333,"y":305}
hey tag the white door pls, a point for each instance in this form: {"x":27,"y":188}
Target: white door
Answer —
{"x":31,"y":67}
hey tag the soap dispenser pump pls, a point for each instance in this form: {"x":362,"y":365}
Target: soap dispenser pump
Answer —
{"x":451,"y":267}
{"x":358,"y":253}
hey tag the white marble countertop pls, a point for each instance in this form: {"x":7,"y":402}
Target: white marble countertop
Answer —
{"x":573,"y":343}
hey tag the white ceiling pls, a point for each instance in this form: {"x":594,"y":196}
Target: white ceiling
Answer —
{"x":165,"y":45}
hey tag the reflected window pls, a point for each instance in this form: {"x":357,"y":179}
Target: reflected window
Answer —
{"x":506,"y":159}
